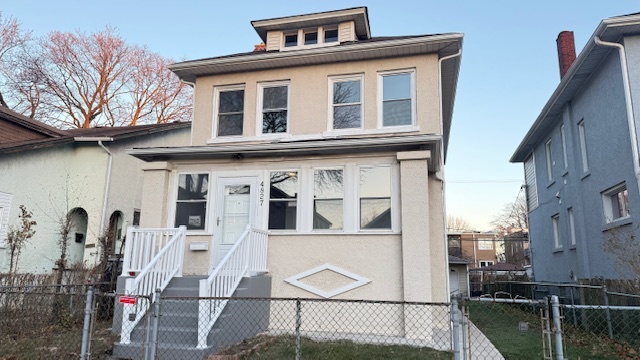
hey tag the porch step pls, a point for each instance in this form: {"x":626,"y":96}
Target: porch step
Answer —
{"x":178,"y":322}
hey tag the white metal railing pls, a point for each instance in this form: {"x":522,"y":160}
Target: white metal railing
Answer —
{"x":142,"y":245}
{"x":247,"y":256}
{"x":156,"y":258}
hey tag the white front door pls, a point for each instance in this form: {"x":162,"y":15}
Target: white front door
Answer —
{"x":235,"y":209}
{"x":454,"y":281}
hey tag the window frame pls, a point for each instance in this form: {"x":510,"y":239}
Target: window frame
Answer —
{"x":301,"y":41}
{"x":582,"y":137}
{"x":490,"y":243}
{"x":344,"y":78}
{"x":358,"y":203}
{"x":216,"y":109}
{"x":259,"y":107}
{"x":313,"y":197}
{"x":608,"y":203}
{"x":380,"y":97}
{"x":486,"y":262}
{"x":548,"y":154}
{"x":297,"y":199}
{"x":563,"y":138}
{"x":557,"y":232}
{"x":572,"y":226}
{"x":206,"y":229}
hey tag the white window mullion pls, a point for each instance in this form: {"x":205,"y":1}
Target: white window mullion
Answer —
{"x":351,"y":210}
{"x":306,"y":199}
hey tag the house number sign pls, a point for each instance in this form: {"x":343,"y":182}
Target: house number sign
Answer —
{"x":261,"y":193}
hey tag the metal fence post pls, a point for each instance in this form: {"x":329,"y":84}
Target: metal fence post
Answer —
{"x":153,"y":341}
{"x":456,"y":328}
{"x":87,"y":324}
{"x":555,"y":309}
{"x":607,"y":311}
{"x":298,"y":323}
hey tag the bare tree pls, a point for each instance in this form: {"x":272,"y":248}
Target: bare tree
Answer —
{"x":12,"y":39}
{"x":86,"y":80}
{"x":624,"y":247}
{"x":457,"y":224}
{"x":513,"y":217}
{"x":18,"y":236}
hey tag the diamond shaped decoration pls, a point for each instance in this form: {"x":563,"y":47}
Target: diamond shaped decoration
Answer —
{"x":357,"y":281}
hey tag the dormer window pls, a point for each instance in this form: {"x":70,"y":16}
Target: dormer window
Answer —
{"x":311,"y":37}
{"x":330,"y":35}
{"x":291,"y":40}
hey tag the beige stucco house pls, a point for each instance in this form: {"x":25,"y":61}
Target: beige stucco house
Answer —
{"x":83,"y":173}
{"x":330,"y":139}
{"x":316,"y":165}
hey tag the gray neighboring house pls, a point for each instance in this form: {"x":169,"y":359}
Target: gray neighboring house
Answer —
{"x":581,"y":159}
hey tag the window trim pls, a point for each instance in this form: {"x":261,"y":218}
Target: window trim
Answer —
{"x":487,"y":263}
{"x":259,"y":109}
{"x":312,"y":194}
{"x":549,"y":160}
{"x":380,"y":96}
{"x":216,"y":109}
{"x":607,"y":203}
{"x":557,"y":235}
{"x":582,"y":136}
{"x":357,"y":203}
{"x":176,"y":185}
{"x":344,"y":78}
{"x":300,"y":41}
{"x":572,"y":226}
{"x":563,"y":137}
{"x":298,"y":200}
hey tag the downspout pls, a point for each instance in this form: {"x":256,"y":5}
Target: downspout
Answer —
{"x":107,"y":184}
{"x":627,"y":97}
{"x":441,"y":175}
{"x":193,"y":107}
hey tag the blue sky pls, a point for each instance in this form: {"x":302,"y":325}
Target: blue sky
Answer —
{"x":509,"y":62}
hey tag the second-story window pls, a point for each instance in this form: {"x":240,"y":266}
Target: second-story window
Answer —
{"x":398,"y":99}
{"x":330,"y":35}
{"x":274,"y":103}
{"x":346,"y":102}
{"x":229,"y":111}
{"x":311,"y":37}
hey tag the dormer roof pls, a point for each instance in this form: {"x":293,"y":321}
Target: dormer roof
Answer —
{"x":358,"y":15}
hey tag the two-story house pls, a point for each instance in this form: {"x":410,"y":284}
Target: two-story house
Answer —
{"x":331,"y":140}
{"x":581,"y":158}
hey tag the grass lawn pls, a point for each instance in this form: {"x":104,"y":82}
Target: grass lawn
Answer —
{"x":499,"y":322}
{"x":56,"y":342}
{"x":283,"y":347}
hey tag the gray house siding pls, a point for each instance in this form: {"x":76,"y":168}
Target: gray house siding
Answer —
{"x":601,"y":106}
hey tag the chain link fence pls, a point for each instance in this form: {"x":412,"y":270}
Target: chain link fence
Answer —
{"x":47,"y":322}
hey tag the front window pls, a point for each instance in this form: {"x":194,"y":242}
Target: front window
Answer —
{"x":547,"y":152}
{"x":582,"y":136}
{"x":275,"y":105}
{"x":565,"y":160}
{"x":616,"y":203}
{"x":191,"y":204}
{"x":283,"y":200}
{"x":230,"y":112}
{"x":328,"y":198}
{"x":375,"y":197}
{"x":484,"y":263}
{"x":347,"y":103}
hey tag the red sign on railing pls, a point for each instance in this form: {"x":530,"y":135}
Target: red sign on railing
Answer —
{"x":131,"y":300}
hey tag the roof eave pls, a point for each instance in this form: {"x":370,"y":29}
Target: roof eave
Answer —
{"x":527,"y":145}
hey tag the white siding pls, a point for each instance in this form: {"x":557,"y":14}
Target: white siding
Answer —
{"x":530,"y":181}
{"x":347,"y":32}
{"x":5,"y":206}
{"x":273,"y":40}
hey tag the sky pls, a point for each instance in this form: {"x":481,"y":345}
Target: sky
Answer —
{"x":509,"y":63}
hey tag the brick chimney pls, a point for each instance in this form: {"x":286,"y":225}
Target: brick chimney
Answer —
{"x":260,"y":47}
{"x":566,"y":51}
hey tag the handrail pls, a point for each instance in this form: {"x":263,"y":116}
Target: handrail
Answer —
{"x":248,"y":255}
{"x":156,"y":274}
{"x":142,"y":245}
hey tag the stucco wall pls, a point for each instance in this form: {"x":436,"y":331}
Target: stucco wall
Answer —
{"x":52,"y":181}
{"x":308,"y":108}
{"x":602,"y":107}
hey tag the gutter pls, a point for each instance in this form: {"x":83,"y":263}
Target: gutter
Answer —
{"x":633,"y":132}
{"x":107,"y":184}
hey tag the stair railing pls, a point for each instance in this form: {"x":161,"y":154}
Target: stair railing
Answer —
{"x":158,"y":269}
{"x":248,"y":256}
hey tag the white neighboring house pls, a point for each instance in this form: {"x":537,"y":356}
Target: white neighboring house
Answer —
{"x":83,"y":172}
